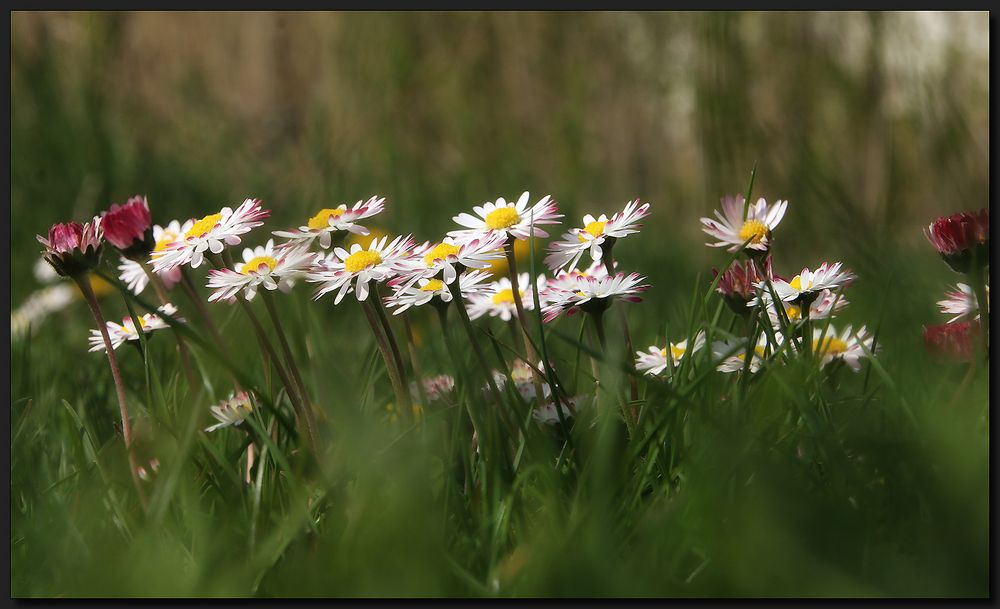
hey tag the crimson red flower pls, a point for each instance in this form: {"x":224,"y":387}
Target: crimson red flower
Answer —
{"x":962,"y":239}
{"x":954,"y":340}
{"x":129,"y":227}
{"x":737,"y":283}
{"x":72,"y":248}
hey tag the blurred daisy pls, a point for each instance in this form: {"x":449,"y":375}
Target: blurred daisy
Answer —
{"x":435,"y":387}
{"x":548,"y":415}
{"x":275,"y":268}
{"x":212,"y":233}
{"x":655,"y":360}
{"x":445,"y":260}
{"x":44,"y":272}
{"x":807,"y":285}
{"x":132,"y":274}
{"x":952,"y":340}
{"x":425,"y":290}
{"x":585,"y":291}
{"x":731,"y":354}
{"x":962,"y":239}
{"x":232,"y":411}
{"x":962,"y":303}
{"x":498,"y":299}
{"x":847,"y":346}
{"x":330,"y":220}
{"x":522,"y":376}
{"x":733,"y":229}
{"x":39,"y":305}
{"x":595,"y":234}
{"x":509,"y":219}
{"x":125,"y":331}
{"x":346,"y":271}
{"x":827,"y":304}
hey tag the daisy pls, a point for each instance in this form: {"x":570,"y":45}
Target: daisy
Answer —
{"x":522,"y":376}
{"x":275,"y":268}
{"x":232,"y":411}
{"x":596,"y":232}
{"x":470,"y":283}
{"x":732,"y":354}
{"x":848,"y":346}
{"x":435,"y":387}
{"x":737,"y":283}
{"x":132,"y":274}
{"x":592,"y":292}
{"x":961,"y":239}
{"x":213,"y":233}
{"x":346,"y":271}
{"x":512,"y":220}
{"x":39,"y":305}
{"x":127,"y":227}
{"x":330,"y":220}
{"x":498,"y":300}
{"x":548,"y":415}
{"x":655,"y":360}
{"x":827,"y":304}
{"x":73,"y":249}
{"x":119,"y":333}
{"x":952,"y":340}
{"x":449,"y":257}
{"x":807,"y":285}
{"x":732,"y":229}
{"x":962,"y":302}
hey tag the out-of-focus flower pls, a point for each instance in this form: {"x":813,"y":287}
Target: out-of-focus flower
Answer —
{"x":212,"y":233}
{"x":119,"y":333}
{"x":738,"y":283}
{"x":73,"y":248}
{"x":39,"y":305}
{"x":546,"y":414}
{"x":131,"y":272}
{"x":733,"y":228}
{"x":43,"y":271}
{"x":962,"y":302}
{"x":592,"y":293}
{"x":128,"y":227}
{"x":952,"y":340}
{"x":522,"y":376}
{"x":498,"y":299}
{"x":330,"y":220}
{"x":655,"y":360}
{"x":848,"y":346}
{"x":596,"y":234}
{"x":807,"y":285}
{"x":471,"y":284}
{"x":731,"y":354}
{"x":445,"y":260}
{"x":146,"y":472}
{"x":268,"y":266}
{"x":522,"y":249}
{"x":962,"y":239}
{"x":232,"y":411}
{"x":513,"y":220}
{"x":346,"y":271}
{"x":435,"y":387}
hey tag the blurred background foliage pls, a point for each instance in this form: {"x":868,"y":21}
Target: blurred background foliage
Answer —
{"x":870,"y":124}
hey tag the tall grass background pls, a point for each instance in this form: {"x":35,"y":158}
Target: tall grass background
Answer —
{"x":871,"y":125}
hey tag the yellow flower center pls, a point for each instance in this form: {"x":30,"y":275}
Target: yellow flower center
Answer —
{"x":501,"y":218}
{"x":201,"y":227}
{"x":322,"y":219}
{"x":595,"y":229}
{"x":755,"y":231}
{"x":165,"y":240}
{"x":130,"y":328}
{"x":677,"y":352}
{"x":358,"y":261}
{"x":796,"y":283}
{"x":758,"y":350}
{"x":440,"y":252}
{"x":830,"y":345}
{"x":793,"y":312}
{"x":254,"y":264}
{"x":432,"y":286}
{"x":505,"y":296}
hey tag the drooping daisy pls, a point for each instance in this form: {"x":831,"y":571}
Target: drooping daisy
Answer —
{"x":212,"y":233}
{"x":848,"y":346}
{"x":119,"y":333}
{"x":275,"y":268}
{"x":131,"y":272}
{"x":346,"y":271}
{"x":232,"y":411}
{"x":330,"y":220}
{"x":731,"y":354}
{"x":596,"y":234}
{"x":586,"y":292}
{"x":962,"y":302}
{"x":738,"y":282}
{"x":733,"y":229}
{"x":498,"y":299}
{"x":655,"y":360}
{"x":471,"y":284}
{"x":513,"y":220}
{"x":807,"y":285}
{"x":445,"y":260}
{"x":962,"y":239}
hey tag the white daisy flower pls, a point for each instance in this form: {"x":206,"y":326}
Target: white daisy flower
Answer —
{"x":582,"y":291}
{"x":471,"y":284}
{"x":44,"y":272}
{"x":213,"y":233}
{"x":131,"y":272}
{"x":522,"y":376}
{"x":846,"y":346}
{"x":807,"y":285}
{"x":275,"y":268}
{"x":448,"y":258}
{"x":498,"y":300}
{"x":39,"y":305}
{"x":510,"y":219}
{"x":594,"y":234}
{"x":962,"y":302}
{"x":733,"y":229}
{"x":655,"y":360}
{"x":119,"y":333}
{"x":331,"y":220}
{"x":435,"y":387}
{"x":827,"y":304}
{"x":346,"y":271}
{"x":732,"y":354}
{"x":232,"y":411}
{"x":548,"y":415}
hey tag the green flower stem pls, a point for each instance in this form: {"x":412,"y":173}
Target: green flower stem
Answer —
{"x":633,"y":385}
{"x":529,"y":347}
{"x":182,"y":348}
{"x":402,"y":397}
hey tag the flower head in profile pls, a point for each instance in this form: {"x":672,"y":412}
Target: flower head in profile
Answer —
{"x":445,"y":260}
{"x":125,"y":331}
{"x":498,"y":299}
{"x":132,"y":274}
{"x":731,"y":354}
{"x":522,"y":376}
{"x":435,"y":387}
{"x":345,"y":271}
{"x":963,"y":240}
{"x":274,"y":268}
{"x":592,"y":294}
{"x":952,"y":340}
{"x":427,"y":290}
{"x":73,"y":248}
{"x":807,"y":285}
{"x":733,"y":228}
{"x":512,"y":220}
{"x":330,"y":220}
{"x":655,"y":360}
{"x":738,"y":284}
{"x":962,"y":303}
{"x":848,"y":346}
{"x":546,"y":414}
{"x":211,"y":233}
{"x":596,"y":234}
{"x":232,"y":411}
{"x":128,"y":227}
{"x":827,"y":304}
